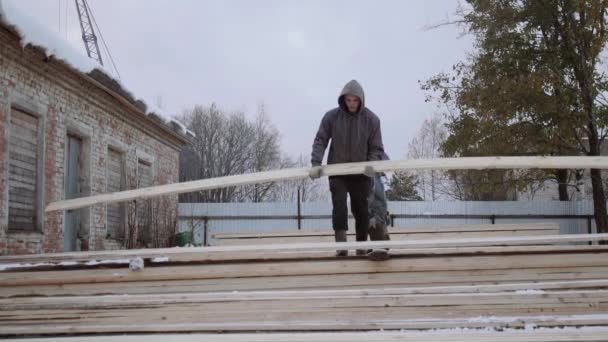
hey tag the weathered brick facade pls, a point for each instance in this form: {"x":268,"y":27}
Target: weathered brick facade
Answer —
{"x":66,"y":101}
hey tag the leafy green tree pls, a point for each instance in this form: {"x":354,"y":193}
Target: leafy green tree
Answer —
{"x":533,"y":85}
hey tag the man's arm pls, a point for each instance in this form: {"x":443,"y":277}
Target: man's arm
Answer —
{"x":375,"y":148}
{"x":320,"y":143}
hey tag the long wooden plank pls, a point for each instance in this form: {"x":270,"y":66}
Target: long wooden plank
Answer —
{"x":393,"y":233}
{"x":293,"y":322}
{"x":260,"y":252}
{"x":308,"y":309}
{"x":512,"y":292}
{"x":424,"y":243}
{"x":588,"y":334}
{"x":415,"y":279}
{"x":282,"y":268}
{"x":466,"y":163}
{"x":314,"y":293}
{"x":304,"y":310}
{"x":397,"y":307}
{"x":408,"y":230}
{"x":399,"y":236}
{"x":572,"y":321}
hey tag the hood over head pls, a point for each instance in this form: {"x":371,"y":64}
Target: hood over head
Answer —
{"x":352,"y":88}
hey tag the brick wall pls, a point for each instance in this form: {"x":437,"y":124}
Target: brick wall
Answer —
{"x":69,"y":102}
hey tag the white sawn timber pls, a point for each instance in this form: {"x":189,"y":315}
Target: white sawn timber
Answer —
{"x":203,"y":252}
{"x":467,"y":163}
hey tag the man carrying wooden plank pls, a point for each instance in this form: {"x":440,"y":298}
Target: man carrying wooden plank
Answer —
{"x":355,"y":136}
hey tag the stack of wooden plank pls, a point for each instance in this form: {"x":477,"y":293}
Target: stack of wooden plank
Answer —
{"x":516,"y":288}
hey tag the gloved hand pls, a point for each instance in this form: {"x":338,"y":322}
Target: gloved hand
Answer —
{"x":372,"y":223}
{"x":315,"y":172}
{"x":369,"y":171}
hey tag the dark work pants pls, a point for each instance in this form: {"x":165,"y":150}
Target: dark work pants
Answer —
{"x":357,"y":186}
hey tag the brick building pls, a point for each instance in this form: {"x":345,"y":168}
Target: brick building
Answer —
{"x":67,"y":133}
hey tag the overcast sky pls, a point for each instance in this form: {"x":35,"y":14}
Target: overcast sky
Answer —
{"x":294,"y":56}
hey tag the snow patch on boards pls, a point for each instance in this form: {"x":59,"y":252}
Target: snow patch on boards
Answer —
{"x":16,"y":266}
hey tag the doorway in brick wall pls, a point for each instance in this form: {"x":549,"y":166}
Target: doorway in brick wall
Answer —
{"x":73,"y":189}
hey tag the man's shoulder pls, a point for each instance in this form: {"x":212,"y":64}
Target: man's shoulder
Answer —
{"x":332,"y":113}
{"x":368,"y":112}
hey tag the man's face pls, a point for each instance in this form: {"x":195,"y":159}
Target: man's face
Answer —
{"x":352,"y":103}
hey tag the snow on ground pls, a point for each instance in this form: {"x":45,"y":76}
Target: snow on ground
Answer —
{"x":4,"y":267}
{"x":33,"y":33}
{"x":15,"y":266}
{"x":160,"y":259}
{"x":527,"y":328}
{"x":529,"y":291}
{"x":108,"y":262}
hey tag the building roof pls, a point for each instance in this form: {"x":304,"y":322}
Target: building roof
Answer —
{"x":32,"y":33}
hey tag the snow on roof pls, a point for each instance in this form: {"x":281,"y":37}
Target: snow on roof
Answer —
{"x":35,"y":34}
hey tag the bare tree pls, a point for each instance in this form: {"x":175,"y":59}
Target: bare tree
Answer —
{"x":228,"y":144}
{"x":264,"y":155}
{"x":287,"y":191}
{"x":427,"y":145}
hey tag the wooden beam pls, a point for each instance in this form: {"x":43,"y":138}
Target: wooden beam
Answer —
{"x":332,"y":246}
{"x":157,"y":256}
{"x":319,"y":267}
{"x":394,"y":236}
{"x":586,"y":334}
{"x":498,"y":322}
{"x":153,"y":322}
{"x":207,"y":253}
{"x":179,"y":309}
{"x":413,"y":279}
{"x":524,"y":227}
{"x":466,"y":163}
{"x":546,"y":288}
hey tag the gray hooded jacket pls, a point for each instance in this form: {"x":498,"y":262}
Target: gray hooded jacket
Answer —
{"x":355,"y":137}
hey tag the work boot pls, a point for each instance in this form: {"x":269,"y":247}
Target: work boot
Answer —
{"x":378,"y":232}
{"x":379,"y":254}
{"x":362,"y":237}
{"x":362,"y":252}
{"x":340,"y":236}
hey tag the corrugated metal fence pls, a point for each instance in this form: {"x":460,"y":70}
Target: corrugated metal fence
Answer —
{"x":207,"y":219}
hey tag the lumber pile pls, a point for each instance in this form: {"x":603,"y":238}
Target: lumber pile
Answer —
{"x":397,"y":233}
{"x":516,"y":288}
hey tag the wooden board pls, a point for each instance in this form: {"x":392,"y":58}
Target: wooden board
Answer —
{"x":394,"y":236}
{"x":406,"y":230}
{"x":312,"y":250}
{"x":586,"y":288}
{"x":590,"y":334}
{"x":231,"y":308}
{"x":414,"y":279}
{"x":318,"y":267}
{"x":576,"y":308}
{"x":338,"y":169}
{"x":203,"y":252}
